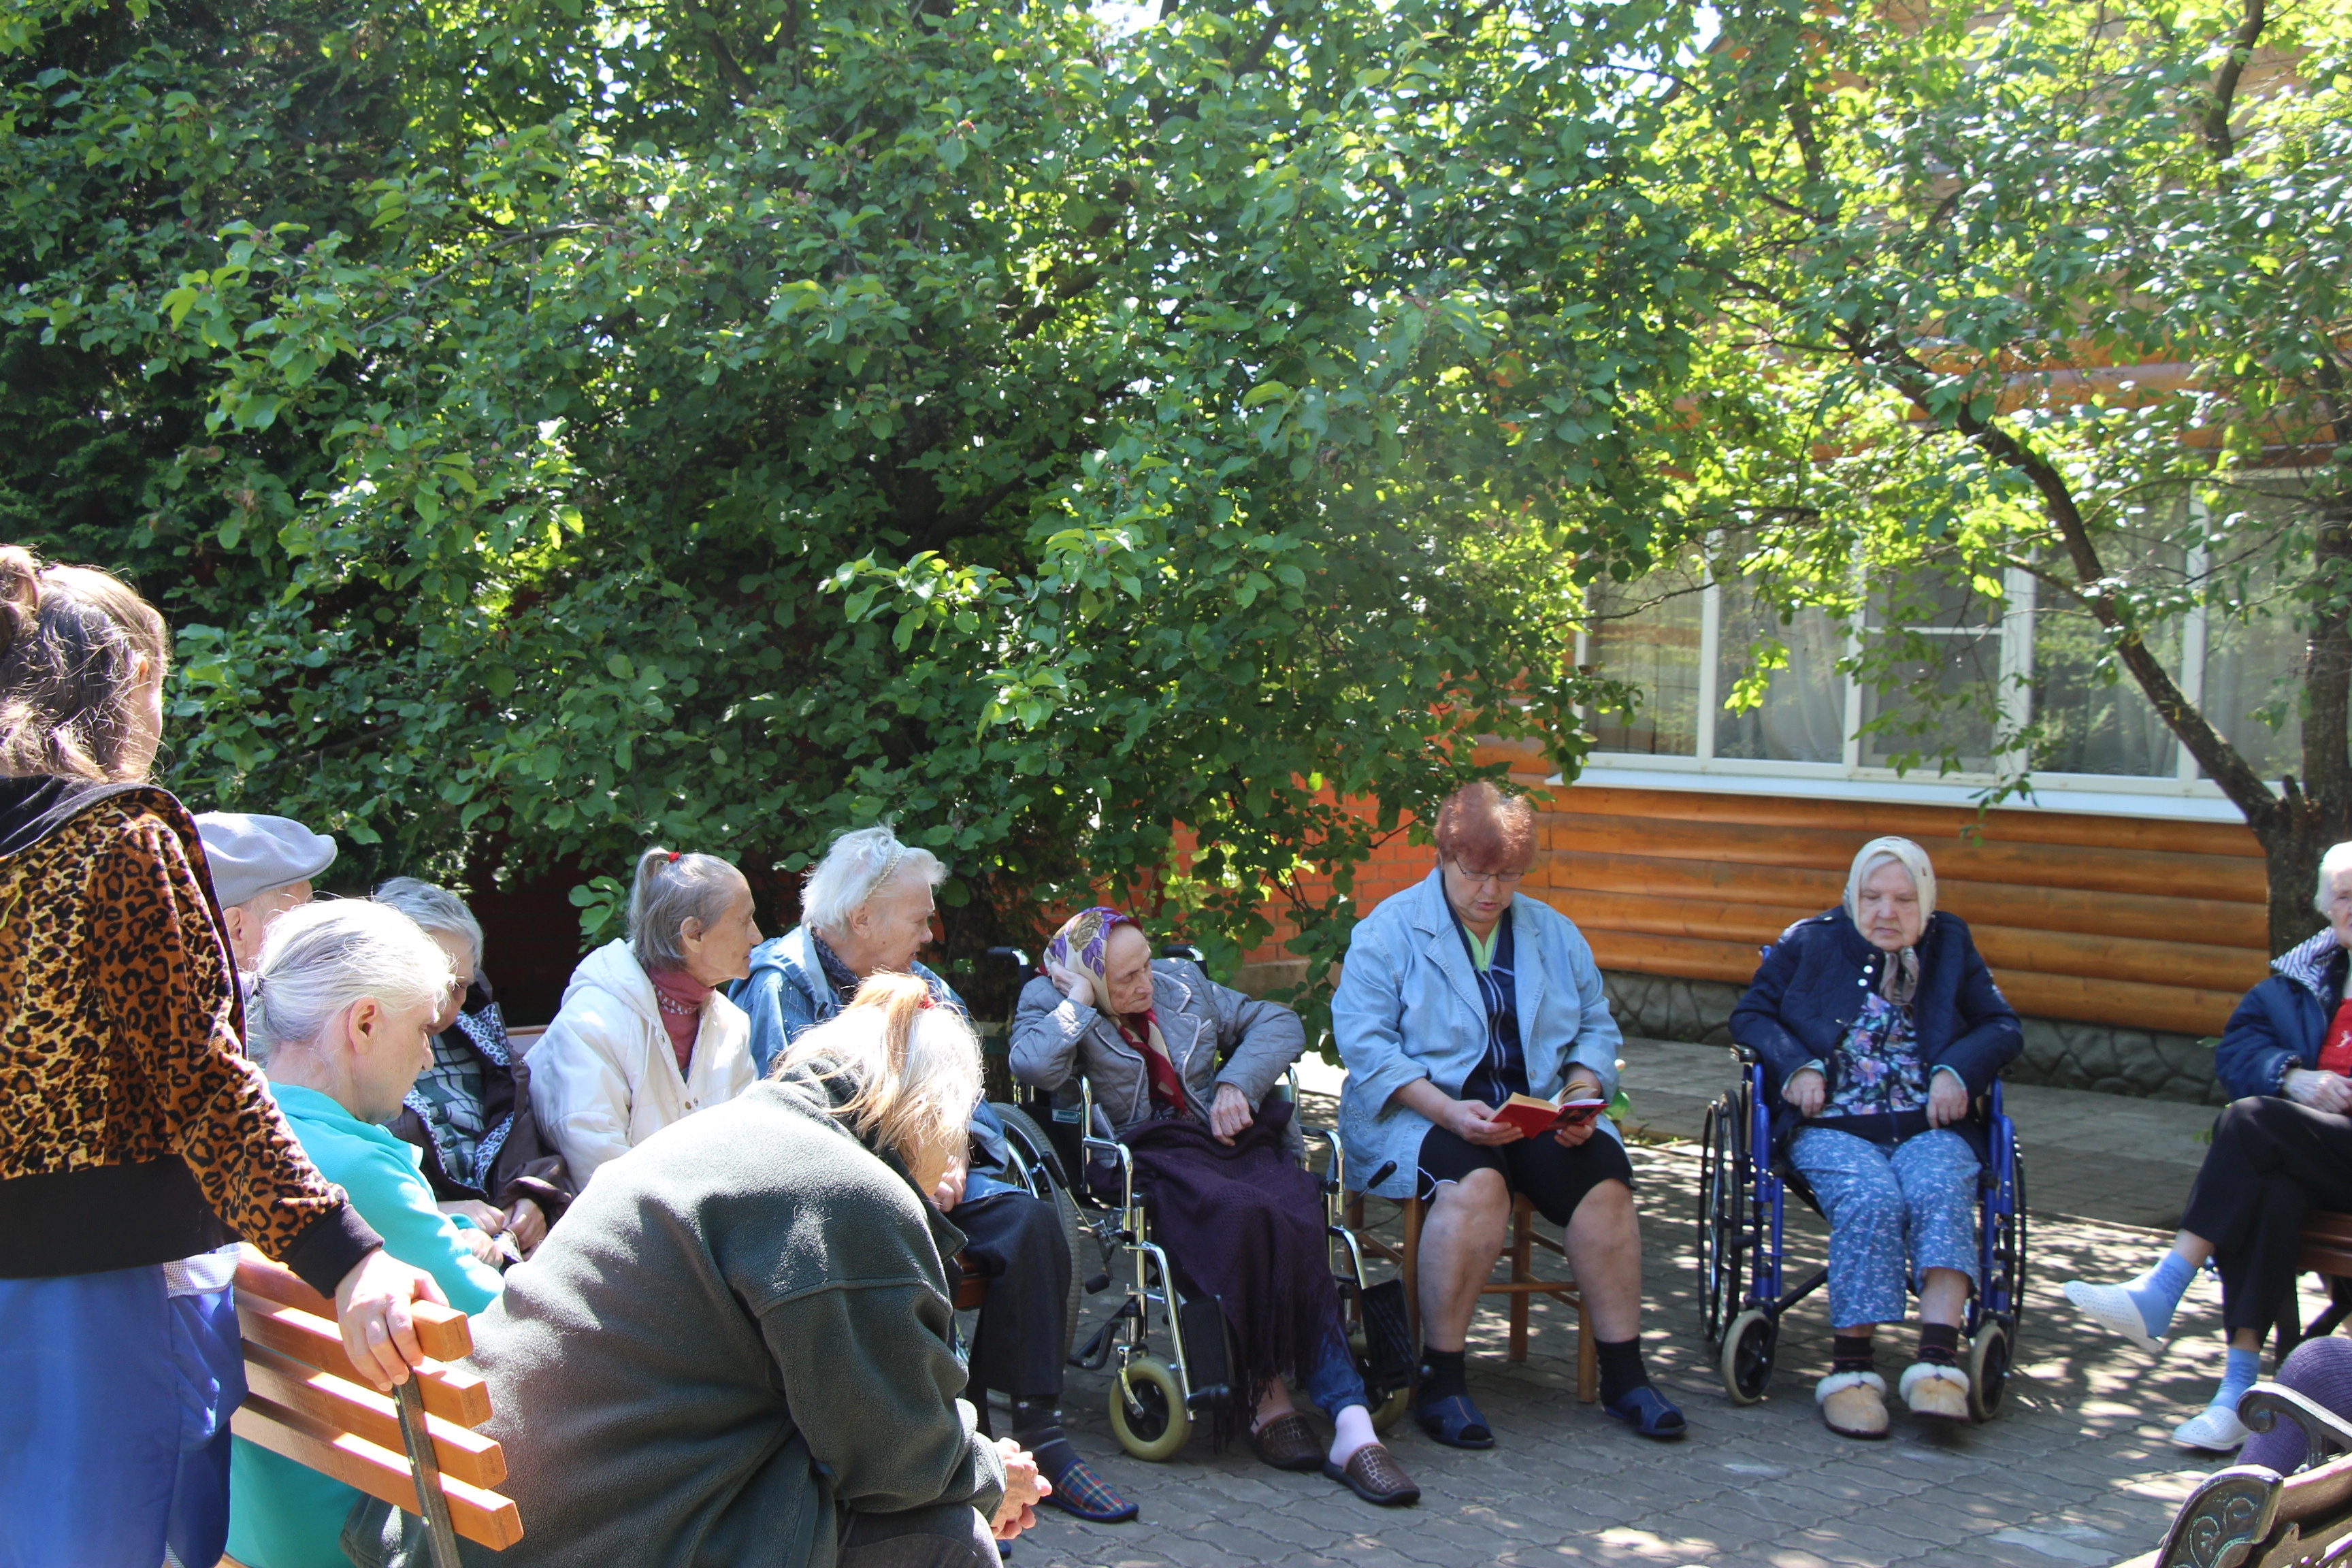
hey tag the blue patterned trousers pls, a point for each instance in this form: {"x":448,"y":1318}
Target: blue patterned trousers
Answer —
{"x":1894,"y":1213}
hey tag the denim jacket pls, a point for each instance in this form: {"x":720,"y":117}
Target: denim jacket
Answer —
{"x":1408,"y":1008}
{"x":787,"y":995}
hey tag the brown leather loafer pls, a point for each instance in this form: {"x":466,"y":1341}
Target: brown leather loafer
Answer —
{"x":1373,"y":1474}
{"x":1287,"y":1443}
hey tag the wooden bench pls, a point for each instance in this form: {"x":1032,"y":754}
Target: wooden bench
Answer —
{"x":415,"y":1448}
{"x":2248,"y":1517}
{"x":2327,"y":1252}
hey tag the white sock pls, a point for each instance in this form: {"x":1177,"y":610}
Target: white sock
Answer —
{"x":1353,"y":1431}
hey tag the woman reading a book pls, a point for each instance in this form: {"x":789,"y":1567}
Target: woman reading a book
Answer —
{"x":1218,"y":1157}
{"x":1879,"y":1024}
{"x":1460,"y":994}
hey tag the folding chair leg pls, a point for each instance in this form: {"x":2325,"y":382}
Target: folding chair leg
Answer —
{"x":1412,"y":1219}
{"x":1523,"y":1226}
{"x":1588,"y":1356}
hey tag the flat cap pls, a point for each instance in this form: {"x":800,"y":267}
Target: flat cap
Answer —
{"x":250,"y":855}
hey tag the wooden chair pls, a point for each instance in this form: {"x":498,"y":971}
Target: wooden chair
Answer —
{"x":1522,"y":1283}
{"x":415,"y":1448}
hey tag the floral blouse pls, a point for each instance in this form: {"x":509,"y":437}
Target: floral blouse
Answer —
{"x":1877,"y":1068}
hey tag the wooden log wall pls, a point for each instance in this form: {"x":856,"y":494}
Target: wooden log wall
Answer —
{"x":2120,"y":920}
{"x":2128,"y":922}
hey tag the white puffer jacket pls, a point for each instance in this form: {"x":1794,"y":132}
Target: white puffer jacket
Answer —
{"x":603,"y":1077}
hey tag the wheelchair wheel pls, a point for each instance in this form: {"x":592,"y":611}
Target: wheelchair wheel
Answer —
{"x":1746,"y":1364}
{"x":1988,"y":1369}
{"x":1723,"y":1204}
{"x":1041,"y":1168}
{"x":1157,"y":1424}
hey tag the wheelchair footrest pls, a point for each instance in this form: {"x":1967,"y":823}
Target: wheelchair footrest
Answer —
{"x":1209,"y":1369}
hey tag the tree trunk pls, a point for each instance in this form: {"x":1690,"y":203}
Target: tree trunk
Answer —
{"x":2316,"y":810}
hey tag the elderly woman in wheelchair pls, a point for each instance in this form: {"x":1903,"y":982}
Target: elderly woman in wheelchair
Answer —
{"x":1881,"y":1025}
{"x":1212,"y":1152}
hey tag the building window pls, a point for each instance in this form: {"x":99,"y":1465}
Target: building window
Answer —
{"x":2026,"y":668}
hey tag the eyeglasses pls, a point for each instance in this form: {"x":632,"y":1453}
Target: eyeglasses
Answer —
{"x":1480,"y":878}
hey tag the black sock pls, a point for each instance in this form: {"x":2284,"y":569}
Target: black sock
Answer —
{"x":1620,"y":1368}
{"x":1037,"y":1427}
{"x":1939,"y":1344}
{"x":1851,"y":1352}
{"x":1443,"y":1374}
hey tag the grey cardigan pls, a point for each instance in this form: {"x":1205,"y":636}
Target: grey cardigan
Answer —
{"x":1053,"y":1037}
{"x":739,"y":1330}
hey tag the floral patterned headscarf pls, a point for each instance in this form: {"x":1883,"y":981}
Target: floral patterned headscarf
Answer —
{"x":1083,"y":944}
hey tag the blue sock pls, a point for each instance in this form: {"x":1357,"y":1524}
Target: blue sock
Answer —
{"x":2245,"y":1370}
{"x":2156,"y":1292}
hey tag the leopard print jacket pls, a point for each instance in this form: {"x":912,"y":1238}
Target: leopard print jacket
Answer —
{"x":119,"y":1041}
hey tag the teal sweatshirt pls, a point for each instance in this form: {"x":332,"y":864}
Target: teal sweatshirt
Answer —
{"x":282,"y":1514}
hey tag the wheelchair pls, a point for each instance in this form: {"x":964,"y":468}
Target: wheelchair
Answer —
{"x":1155,"y":1399}
{"x":1740,"y":1250}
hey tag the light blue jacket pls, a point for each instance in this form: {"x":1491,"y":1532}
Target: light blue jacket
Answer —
{"x":1408,"y":1008}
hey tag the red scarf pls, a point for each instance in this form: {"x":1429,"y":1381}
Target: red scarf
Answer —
{"x":1167,"y":1085}
{"x":681,"y":996}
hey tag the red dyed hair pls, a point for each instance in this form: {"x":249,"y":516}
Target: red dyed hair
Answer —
{"x":1483,"y":829}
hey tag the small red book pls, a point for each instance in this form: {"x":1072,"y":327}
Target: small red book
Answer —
{"x":1537,"y":1117}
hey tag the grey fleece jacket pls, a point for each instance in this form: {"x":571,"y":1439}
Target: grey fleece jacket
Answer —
{"x":737,"y":1330}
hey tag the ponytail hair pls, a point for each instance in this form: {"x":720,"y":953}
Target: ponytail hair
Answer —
{"x":70,"y":640}
{"x":913,"y":1068}
{"x":671,"y":887}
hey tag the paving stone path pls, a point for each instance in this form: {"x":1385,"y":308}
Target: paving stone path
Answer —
{"x":2077,"y":1470}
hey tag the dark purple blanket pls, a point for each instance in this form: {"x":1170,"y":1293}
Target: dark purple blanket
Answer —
{"x":1246,"y":1225}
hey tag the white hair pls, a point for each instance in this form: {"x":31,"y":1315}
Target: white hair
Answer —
{"x":437,"y":910}
{"x":321,"y":958}
{"x":857,"y":867}
{"x":669,"y":889}
{"x":2337,"y":858}
{"x":1904,"y":853}
{"x":914,"y":1067}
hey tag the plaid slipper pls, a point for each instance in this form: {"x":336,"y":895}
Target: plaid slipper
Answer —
{"x":1088,"y":1496}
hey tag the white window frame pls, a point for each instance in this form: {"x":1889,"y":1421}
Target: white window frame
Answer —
{"x":2186,"y":794}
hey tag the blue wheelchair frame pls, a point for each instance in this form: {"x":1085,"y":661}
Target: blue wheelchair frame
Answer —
{"x":1741,"y":1215}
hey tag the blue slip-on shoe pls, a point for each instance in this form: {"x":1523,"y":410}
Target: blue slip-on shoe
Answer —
{"x":1650,"y":1412}
{"x":1085,"y":1495}
{"x":1456,"y":1422}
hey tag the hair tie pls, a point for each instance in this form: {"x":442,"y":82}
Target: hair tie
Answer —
{"x":673,"y":856}
{"x":926,"y":1000}
{"x":253,"y":987}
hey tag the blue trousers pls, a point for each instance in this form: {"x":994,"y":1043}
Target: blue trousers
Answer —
{"x":115,"y":1398}
{"x":1894,"y":1213}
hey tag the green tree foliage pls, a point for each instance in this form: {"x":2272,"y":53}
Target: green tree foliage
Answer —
{"x":554,"y":427}
{"x":1996,"y":293}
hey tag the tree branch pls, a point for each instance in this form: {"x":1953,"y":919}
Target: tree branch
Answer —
{"x":2221,"y":760}
{"x":2218,"y":140}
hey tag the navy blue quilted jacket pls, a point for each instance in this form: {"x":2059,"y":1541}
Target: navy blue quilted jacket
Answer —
{"x":2284,"y":1021}
{"x":1810,"y":989}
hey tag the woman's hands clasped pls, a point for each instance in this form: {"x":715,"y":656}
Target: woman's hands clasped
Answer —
{"x":1948,"y":1098}
{"x":2328,"y":1092}
{"x":1024,"y":1488}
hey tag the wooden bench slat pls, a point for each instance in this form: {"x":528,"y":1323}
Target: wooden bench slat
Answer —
{"x":364,"y":1413}
{"x":475,"y":1514}
{"x":451,"y":1393}
{"x":442,"y":1330}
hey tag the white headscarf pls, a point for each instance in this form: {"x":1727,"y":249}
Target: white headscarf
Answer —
{"x":1903,"y":973}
